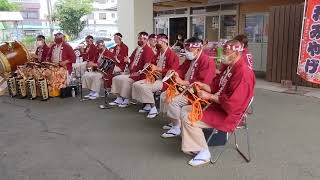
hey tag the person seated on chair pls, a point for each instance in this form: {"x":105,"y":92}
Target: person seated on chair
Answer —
{"x":92,"y":79}
{"x":152,"y":43}
{"x":122,"y":84}
{"x":117,"y":54}
{"x":89,"y":52}
{"x":42,"y":49}
{"x":143,"y":90}
{"x":197,"y":67}
{"x":229,"y":93}
{"x":61,"y":53}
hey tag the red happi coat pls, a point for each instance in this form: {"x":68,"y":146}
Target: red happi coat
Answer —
{"x":171,"y":61}
{"x":90,"y":53}
{"x":118,"y":54}
{"x":204,"y":69}
{"x":42,"y":53}
{"x":145,"y":56}
{"x":235,"y":93}
{"x":67,"y":53}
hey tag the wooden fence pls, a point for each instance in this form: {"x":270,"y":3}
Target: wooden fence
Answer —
{"x":285,"y":24}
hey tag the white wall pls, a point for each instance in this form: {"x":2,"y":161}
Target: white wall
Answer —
{"x":134,"y":16}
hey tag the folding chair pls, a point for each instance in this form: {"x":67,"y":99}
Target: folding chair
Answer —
{"x":222,"y":138}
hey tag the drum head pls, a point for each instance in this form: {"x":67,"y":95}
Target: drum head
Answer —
{"x":167,"y":77}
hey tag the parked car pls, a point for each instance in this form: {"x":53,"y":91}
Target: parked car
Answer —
{"x":76,"y":44}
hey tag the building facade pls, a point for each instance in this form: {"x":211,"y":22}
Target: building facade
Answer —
{"x":103,"y":20}
{"x":219,"y":20}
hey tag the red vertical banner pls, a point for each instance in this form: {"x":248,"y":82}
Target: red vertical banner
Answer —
{"x":309,"y":60}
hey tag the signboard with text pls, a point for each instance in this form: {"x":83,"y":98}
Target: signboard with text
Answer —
{"x":309,"y":60}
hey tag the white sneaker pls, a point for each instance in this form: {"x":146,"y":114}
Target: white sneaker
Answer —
{"x":168,"y":126}
{"x":90,"y":94}
{"x":173,"y":132}
{"x":201,"y":158}
{"x":153,"y":113}
{"x":94,"y":96}
{"x":146,"y":109}
{"x":116,"y":102}
{"x":125,"y":103}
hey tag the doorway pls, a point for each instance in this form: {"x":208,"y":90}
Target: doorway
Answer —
{"x":177,"y":26}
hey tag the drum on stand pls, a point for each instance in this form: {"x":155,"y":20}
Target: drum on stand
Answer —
{"x":12,"y":54}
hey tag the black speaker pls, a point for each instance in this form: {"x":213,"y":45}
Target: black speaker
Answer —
{"x":219,"y":138}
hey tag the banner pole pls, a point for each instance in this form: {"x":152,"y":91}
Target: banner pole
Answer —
{"x":301,"y":38}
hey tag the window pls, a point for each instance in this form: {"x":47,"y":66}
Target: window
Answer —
{"x":197,"y":27}
{"x":113,"y":15}
{"x":33,"y":15}
{"x":228,"y":26}
{"x":212,"y":28}
{"x":102,"y":16}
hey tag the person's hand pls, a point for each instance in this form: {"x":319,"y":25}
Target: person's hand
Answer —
{"x":204,"y":95}
{"x":155,"y":68}
{"x":126,"y":59}
{"x":200,"y":85}
{"x":63,"y":63}
{"x":169,"y":72}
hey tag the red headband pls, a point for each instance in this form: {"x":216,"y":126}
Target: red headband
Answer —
{"x":193,"y":45}
{"x":237,"y":48}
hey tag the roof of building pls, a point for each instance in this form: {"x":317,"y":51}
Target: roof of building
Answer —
{"x":6,"y":16}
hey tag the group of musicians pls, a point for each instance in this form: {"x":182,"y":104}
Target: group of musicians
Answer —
{"x":228,"y":90}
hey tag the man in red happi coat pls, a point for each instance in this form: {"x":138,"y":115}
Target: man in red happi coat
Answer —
{"x":42,"y":49}
{"x":197,"y":67}
{"x":122,"y":84}
{"x":118,"y":55}
{"x":230,"y":94}
{"x":61,"y":53}
{"x":143,"y":90}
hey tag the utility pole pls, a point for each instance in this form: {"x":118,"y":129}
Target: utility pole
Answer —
{"x":49,"y":6}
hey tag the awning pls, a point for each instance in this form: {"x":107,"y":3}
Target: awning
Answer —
{"x":6,"y":16}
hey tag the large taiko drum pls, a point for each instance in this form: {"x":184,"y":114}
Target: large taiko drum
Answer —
{"x":12,"y":54}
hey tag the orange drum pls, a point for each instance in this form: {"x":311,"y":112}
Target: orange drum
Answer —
{"x":12,"y":54}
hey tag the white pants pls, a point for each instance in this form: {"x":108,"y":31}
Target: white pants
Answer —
{"x":142,"y":91}
{"x":92,"y":81}
{"x":122,"y":86}
{"x":193,"y":139}
{"x":173,"y":109}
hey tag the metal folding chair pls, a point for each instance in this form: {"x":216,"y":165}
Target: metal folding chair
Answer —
{"x":242,"y":125}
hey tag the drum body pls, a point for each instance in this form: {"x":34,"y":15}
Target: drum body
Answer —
{"x":12,"y":86}
{"x":106,"y":65}
{"x":12,"y":54}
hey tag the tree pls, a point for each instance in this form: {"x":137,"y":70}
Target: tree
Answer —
{"x":7,"y":6}
{"x":69,"y":15}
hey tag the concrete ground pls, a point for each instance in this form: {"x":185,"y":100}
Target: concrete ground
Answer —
{"x":65,"y":139}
